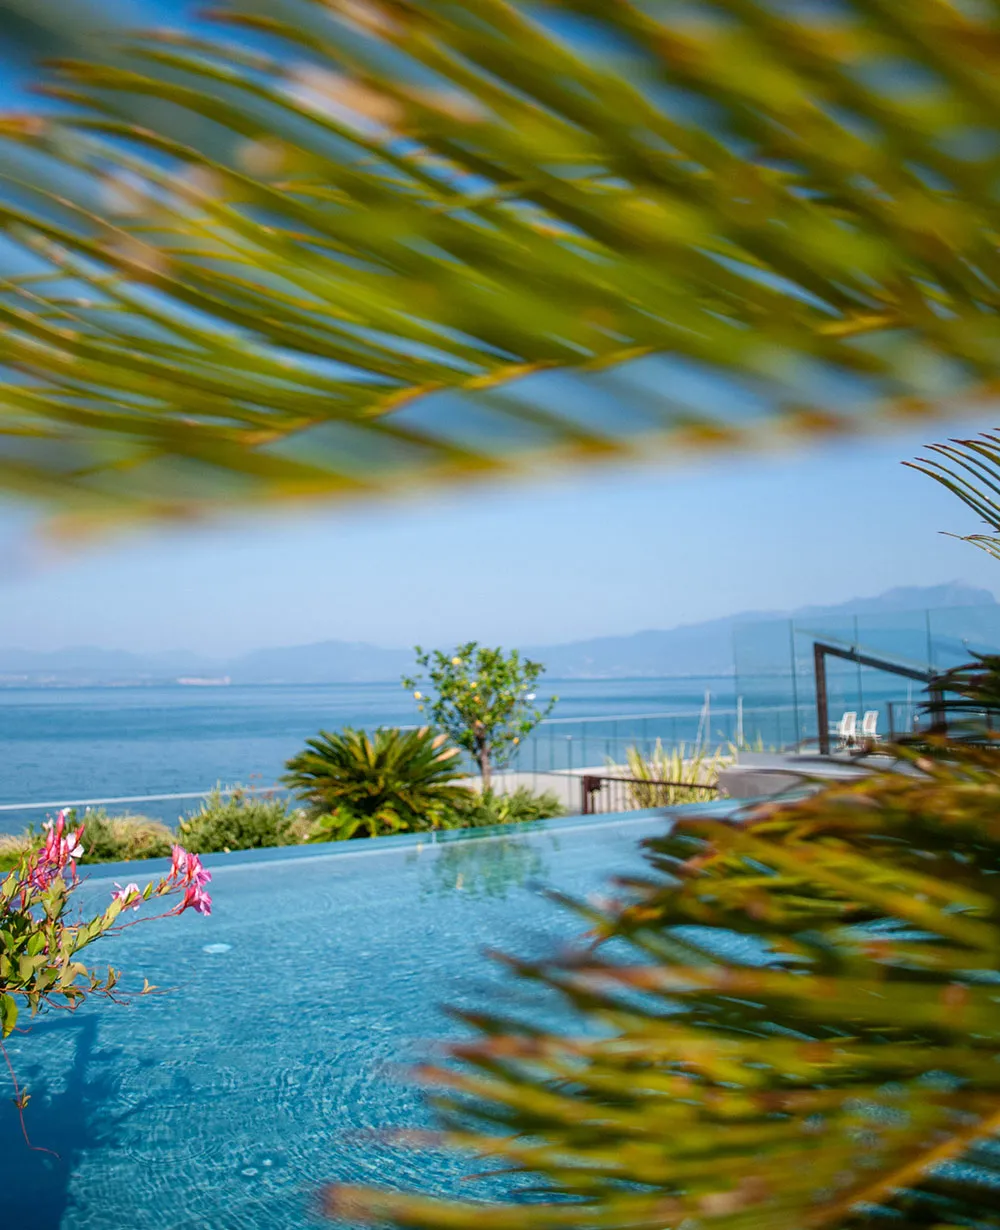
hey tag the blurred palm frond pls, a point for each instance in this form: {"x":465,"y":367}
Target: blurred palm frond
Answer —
{"x":355,"y":246}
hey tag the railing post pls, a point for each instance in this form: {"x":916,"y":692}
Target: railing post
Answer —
{"x":822,"y":700}
{"x":939,"y":725}
{"x":591,"y":785}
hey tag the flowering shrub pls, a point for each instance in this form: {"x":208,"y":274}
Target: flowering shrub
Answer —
{"x":40,"y":944}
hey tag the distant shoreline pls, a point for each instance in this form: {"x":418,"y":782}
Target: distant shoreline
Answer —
{"x":22,"y":683}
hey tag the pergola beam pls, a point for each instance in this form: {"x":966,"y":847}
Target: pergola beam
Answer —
{"x":822,"y":650}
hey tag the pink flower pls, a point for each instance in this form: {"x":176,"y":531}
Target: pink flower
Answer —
{"x":178,"y":861}
{"x":197,"y":899}
{"x":130,"y":895}
{"x":186,"y":868}
{"x":57,"y":854}
{"x":187,"y":872}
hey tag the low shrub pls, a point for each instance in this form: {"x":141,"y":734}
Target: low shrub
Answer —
{"x":518,"y":807}
{"x":669,"y":776}
{"x":17,"y":846}
{"x":115,"y":839}
{"x":108,"y":839}
{"x":241,"y":821}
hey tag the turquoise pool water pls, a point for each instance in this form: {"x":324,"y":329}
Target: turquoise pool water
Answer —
{"x":278,"y":1060}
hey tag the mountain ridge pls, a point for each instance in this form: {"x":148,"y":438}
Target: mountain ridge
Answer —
{"x":702,"y":648}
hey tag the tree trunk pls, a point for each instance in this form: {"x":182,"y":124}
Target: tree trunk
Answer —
{"x":485,"y":769}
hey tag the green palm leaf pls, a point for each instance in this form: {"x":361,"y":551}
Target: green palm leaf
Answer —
{"x":364,"y":246}
{"x":356,"y":784}
{"x":970,"y":469}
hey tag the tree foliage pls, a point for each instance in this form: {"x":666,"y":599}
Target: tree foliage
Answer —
{"x":790,"y":1022}
{"x":359,"y":245}
{"x":358,"y":785}
{"x":483,"y":699}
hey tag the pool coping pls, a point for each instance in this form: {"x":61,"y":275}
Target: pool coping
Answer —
{"x":360,"y":847}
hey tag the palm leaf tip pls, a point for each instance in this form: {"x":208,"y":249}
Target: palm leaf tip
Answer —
{"x":970,"y":469}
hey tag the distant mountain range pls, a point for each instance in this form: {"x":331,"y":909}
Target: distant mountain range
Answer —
{"x":690,"y":649}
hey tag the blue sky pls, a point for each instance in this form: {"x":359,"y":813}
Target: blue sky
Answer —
{"x":603,"y":553}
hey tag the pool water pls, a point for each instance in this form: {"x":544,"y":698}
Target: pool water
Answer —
{"x":278,"y":1061}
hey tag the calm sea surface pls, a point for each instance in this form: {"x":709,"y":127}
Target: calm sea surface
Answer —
{"x":66,"y":745}
{"x":86,"y":743}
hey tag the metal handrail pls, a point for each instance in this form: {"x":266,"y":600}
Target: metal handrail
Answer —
{"x":592,"y":784}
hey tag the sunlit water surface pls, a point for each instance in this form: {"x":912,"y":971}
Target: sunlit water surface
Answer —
{"x":277,"y":1062}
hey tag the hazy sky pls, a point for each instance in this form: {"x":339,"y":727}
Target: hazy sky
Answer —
{"x":604,"y":553}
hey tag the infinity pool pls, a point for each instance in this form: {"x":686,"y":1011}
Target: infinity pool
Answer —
{"x":278,"y":1060}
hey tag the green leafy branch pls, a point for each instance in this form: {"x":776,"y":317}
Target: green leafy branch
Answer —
{"x":483,"y":700}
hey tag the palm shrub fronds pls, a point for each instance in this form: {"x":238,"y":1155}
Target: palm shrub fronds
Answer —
{"x":968,"y":697}
{"x":673,"y":775}
{"x":58,"y":27}
{"x":363,"y":244}
{"x":355,"y":784}
{"x":970,"y":469}
{"x":791,"y":1022}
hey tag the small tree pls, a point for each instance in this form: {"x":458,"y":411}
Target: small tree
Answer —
{"x":482,"y":698}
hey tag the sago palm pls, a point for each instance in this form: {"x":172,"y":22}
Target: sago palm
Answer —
{"x":362,"y":245}
{"x":358,"y":784}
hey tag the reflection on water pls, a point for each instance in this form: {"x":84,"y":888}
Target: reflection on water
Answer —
{"x":484,"y":867}
{"x":66,"y":1117}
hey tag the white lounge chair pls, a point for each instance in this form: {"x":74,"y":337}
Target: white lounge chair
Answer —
{"x":847,"y":729}
{"x":869,"y":726}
